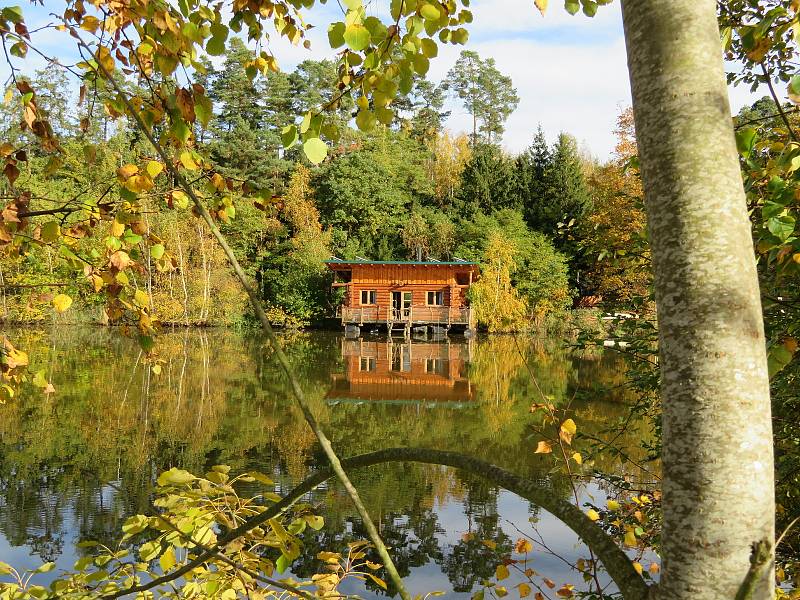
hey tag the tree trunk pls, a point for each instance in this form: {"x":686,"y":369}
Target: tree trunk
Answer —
{"x":717,"y":436}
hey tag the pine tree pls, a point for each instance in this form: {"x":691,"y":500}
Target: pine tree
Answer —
{"x":488,"y":182}
{"x":553,"y":185}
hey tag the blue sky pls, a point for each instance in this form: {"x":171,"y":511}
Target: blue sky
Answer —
{"x":569,"y":71}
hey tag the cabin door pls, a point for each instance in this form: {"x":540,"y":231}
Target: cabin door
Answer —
{"x":401,"y":305}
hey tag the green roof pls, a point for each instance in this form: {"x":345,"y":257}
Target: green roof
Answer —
{"x":363,"y":261}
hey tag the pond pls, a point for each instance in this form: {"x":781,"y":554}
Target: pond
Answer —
{"x":74,"y":464}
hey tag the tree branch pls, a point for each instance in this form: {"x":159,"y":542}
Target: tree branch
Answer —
{"x":255,"y":302}
{"x":777,"y":102}
{"x":616,"y":562}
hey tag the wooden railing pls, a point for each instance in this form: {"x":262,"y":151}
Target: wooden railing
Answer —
{"x":437,"y":315}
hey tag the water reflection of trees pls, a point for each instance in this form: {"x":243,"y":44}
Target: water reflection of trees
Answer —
{"x":220,"y":398}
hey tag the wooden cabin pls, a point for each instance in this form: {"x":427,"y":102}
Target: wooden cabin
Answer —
{"x":405,"y":295}
{"x":421,"y":373}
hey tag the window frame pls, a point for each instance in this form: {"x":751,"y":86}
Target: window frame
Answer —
{"x":372,"y":297}
{"x":437,"y":295}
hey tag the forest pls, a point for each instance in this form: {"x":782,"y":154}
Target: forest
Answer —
{"x":406,"y":189}
{"x":174,"y":175}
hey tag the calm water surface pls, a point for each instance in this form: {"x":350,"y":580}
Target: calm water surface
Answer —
{"x":75,"y":464}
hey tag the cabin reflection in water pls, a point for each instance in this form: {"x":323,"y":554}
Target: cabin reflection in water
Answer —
{"x":429,"y":374}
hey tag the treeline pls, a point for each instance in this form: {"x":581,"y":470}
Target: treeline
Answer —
{"x":541,"y":223}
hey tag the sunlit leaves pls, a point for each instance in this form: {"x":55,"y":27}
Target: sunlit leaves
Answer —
{"x":175,"y":477}
{"x":567,"y":431}
{"x":543,"y":447}
{"x":315,"y":150}
{"x":62,"y":302}
{"x":357,"y":37}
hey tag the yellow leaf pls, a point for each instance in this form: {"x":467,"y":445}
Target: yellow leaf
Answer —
{"x":567,"y":431}
{"x":167,"y":560}
{"x":638,"y":567}
{"x":153,"y":168}
{"x":577,"y":458}
{"x":105,"y":59}
{"x":62,"y":302}
{"x":187,"y":160}
{"x":612,"y":505}
{"x":544,"y":447}
{"x":127,"y":171}
{"x":592,"y":514}
{"x":117,"y":229}
{"x":6,"y":149}
{"x":524,"y":590}
{"x":141,"y":298}
{"x":156,"y":369}
{"x":541,"y":5}
{"x":654,"y":568}
{"x":565,"y":591}
{"x":501,"y":572}
{"x":523,"y":546}
{"x":630,"y":537}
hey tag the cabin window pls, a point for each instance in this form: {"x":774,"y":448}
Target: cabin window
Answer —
{"x":435,"y":365}
{"x":367,"y":363}
{"x":435,"y":298}
{"x":462,"y":278}
{"x":369,"y":297}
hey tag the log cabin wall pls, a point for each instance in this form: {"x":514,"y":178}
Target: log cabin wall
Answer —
{"x":417,"y":279}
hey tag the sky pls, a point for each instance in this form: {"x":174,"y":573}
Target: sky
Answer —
{"x":569,"y":71}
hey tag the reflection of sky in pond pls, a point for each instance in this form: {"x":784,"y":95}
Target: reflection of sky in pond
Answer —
{"x":207,"y":408}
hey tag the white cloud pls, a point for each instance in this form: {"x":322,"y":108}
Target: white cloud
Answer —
{"x":569,"y":71}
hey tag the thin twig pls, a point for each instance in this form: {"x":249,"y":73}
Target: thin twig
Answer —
{"x":255,"y":302}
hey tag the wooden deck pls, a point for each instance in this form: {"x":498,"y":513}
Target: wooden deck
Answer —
{"x":442,"y":316}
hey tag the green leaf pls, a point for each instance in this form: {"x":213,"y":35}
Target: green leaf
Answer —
{"x":216,"y":46}
{"x":365,"y":120}
{"x":13,"y":14}
{"x":289,"y":136}
{"x":572,"y":6}
{"x":203,"y":109}
{"x":778,"y":357}
{"x":157,"y":251}
{"x":794,"y":84}
{"x":46,"y":567}
{"x":149,"y":551}
{"x":745,"y":140}
{"x":315,"y":149}
{"x":430,"y":12}
{"x":40,"y":379}
{"x":282,"y":563}
{"x":421,"y":64}
{"x":5,"y":568}
{"x":781,"y":227}
{"x":429,"y":48}
{"x":336,"y":34}
{"x":356,"y":37}
{"x":589,"y":7}
{"x":352,"y":4}
{"x":175,"y":476}
{"x":51,"y":231}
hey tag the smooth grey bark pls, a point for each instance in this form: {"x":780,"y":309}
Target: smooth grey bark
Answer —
{"x":717,"y":437}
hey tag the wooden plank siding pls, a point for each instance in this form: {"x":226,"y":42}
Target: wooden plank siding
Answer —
{"x":384,"y":371}
{"x":452,"y":279}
